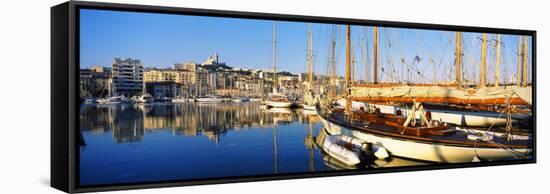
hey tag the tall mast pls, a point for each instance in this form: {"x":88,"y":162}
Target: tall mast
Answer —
{"x":518,"y":77}
{"x":482,"y":75}
{"x":458,"y":59}
{"x":310,"y":60}
{"x":143,"y":85}
{"x":348,"y":72}
{"x":333,"y":69}
{"x":525,"y":60}
{"x":352,"y":50}
{"x":365,"y":60}
{"x":375,"y":55}
{"x":274,"y":55}
{"x":497,"y":63}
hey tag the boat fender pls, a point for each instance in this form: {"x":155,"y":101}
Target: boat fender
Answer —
{"x":381,"y":153}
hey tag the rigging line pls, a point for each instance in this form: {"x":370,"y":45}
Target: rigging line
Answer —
{"x":368,"y":75}
{"x":417,"y":71}
{"x":442,"y":58}
{"x":402,"y":54}
{"x":390,"y":51}
{"x":432,"y":57}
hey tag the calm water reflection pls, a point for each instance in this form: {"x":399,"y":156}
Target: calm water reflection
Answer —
{"x":162,"y":142}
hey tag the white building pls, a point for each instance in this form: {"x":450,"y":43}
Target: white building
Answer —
{"x":127,"y":77}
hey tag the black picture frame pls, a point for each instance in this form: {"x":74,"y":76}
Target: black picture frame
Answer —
{"x":64,"y":90}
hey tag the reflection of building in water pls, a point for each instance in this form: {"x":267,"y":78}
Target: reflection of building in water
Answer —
{"x":124,"y":122}
{"x":128,"y":123}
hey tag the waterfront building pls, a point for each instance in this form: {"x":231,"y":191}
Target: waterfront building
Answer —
{"x":164,"y":89}
{"x":127,"y":77}
{"x":177,"y":76}
{"x":94,"y":82}
{"x":212,"y":80}
{"x":201,"y":82}
{"x":87,"y":86}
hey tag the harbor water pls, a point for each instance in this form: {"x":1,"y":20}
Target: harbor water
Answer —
{"x":133,"y":143}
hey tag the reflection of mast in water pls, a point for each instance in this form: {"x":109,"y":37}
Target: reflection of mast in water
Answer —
{"x":309,"y":143}
{"x":275,"y":149}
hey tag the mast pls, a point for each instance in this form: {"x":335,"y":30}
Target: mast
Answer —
{"x":310,"y":60}
{"x":375,"y":55}
{"x":275,"y":149}
{"x":333,"y":70}
{"x":525,"y":60}
{"x":458,"y":57}
{"x":348,"y":72}
{"x":275,"y":56}
{"x":482,"y":75}
{"x":143,"y":86}
{"x":518,"y":77}
{"x":365,"y":60}
{"x":352,"y":78}
{"x":497,"y":63}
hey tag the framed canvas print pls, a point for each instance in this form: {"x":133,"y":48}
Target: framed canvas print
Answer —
{"x":149,"y":96}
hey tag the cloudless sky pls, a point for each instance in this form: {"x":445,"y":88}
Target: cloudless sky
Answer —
{"x":160,"y":40}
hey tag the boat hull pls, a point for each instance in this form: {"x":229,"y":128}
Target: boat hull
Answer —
{"x":428,"y":151}
{"x":279,"y":104}
{"x":209,"y":100}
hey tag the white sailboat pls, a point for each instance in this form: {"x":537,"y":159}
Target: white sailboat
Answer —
{"x":209,"y":99}
{"x":276,"y":99}
{"x":309,"y":98}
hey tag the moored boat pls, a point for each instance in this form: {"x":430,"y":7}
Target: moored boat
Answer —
{"x":90,"y":101}
{"x":146,"y":98}
{"x":209,"y":99}
{"x":115,"y":100}
{"x":278,"y":101}
{"x":180,"y":100}
{"x":417,"y":135}
{"x":240,"y":99}
{"x":350,"y":150}
{"x":454,"y":147}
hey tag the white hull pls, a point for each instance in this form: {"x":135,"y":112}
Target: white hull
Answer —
{"x":90,"y":101}
{"x":115,"y":100}
{"x":279,"y":104}
{"x":460,"y":118}
{"x":428,"y":151}
{"x":332,"y":147}
{"x":209,"y":100}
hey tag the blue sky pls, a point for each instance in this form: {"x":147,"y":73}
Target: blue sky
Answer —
{"x":160,"y":40}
